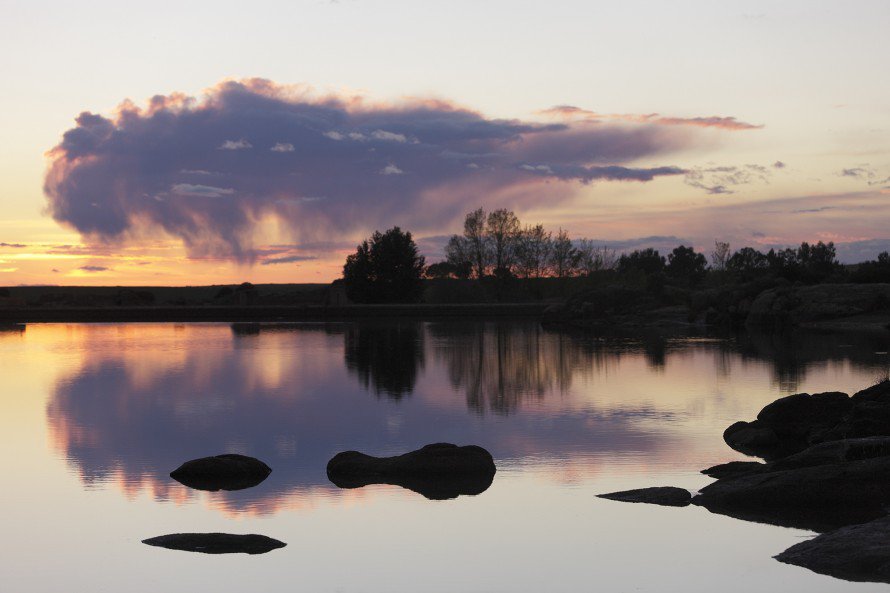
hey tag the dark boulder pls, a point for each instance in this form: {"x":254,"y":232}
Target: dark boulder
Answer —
{"x":795,"y":416}
{"x":661,"y":495}
{"x":752,"y":438}
{"x":439,"y":471}
{"x":853,"y":553}
{"x":216,"y":543}
{"x":222,"y":472}
{"x":879,"y":393}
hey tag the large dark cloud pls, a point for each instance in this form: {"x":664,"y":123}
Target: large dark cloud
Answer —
{"x":211,"y":172}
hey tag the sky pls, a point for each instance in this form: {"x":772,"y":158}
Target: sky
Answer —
{"x":215,"y":142}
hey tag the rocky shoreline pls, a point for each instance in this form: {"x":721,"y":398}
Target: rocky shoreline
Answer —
{"x":826,"y":469}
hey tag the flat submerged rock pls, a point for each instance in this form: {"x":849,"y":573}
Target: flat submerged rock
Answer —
{"x":216,"y":543}
{"x":222,"y":472}
{"x":661,"y":495}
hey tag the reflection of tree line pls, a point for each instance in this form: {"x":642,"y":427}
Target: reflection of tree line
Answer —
{"x":385,"y":356}
{"x":790,"y":354}
{"x":498,"y":365}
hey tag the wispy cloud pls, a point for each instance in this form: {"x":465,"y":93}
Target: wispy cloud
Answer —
{"x":726,"y":179}
{"x":93,"y":269}
{"x":206,"y":191}
{"x":713,"y":121}
{"x":288,"y":259}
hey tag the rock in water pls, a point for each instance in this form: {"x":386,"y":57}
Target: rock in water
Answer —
{"x":854,"y":553}
{"x":216,"y":543}
{"x":661,"y":495}
{"x":222,"y":472}
{"x":440,"y":471}
{"x":734,"y":469}
{"x":827,"y":486}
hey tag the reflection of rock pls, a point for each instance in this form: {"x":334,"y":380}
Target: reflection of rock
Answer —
{"x":385,"y":356}
{"x":824,"y":487}
{"x":216,"y":543}
{"x":222,"y":472}
{"x":661,"y":495}
{"x":439,"y":471}
{"x":854,"y":553}
{"x":792,"y":423}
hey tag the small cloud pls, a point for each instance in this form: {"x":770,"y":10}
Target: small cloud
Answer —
{"x":388,"y":136}
{"x":334,"y":135}
{"x":865,"y":173}
{"x":13,"y":245}
{"x":857,"y":172}
{"x":206,"y":191}
{"x":391,"y":170}
{"x":197,"y":172}
{"x":547,"y":169}
{"x":8,"y":270}
{"x":779,"y":165}
{"x":93,"y":268}
{"x":288,"y":259}
{"x":56,"y":271}
{"x":283,"y":147}
{"x":241,"y":144}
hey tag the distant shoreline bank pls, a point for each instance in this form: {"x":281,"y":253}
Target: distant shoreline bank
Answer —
{"x":234,"y":314}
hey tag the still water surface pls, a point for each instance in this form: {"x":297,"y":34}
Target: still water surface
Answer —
{"x":94,"y":417}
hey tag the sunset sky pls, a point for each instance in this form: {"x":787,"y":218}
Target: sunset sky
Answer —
{"x":181,"y":143}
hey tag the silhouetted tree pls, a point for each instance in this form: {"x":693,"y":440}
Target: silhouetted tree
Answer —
{"x":648,"y":261}
{"x":593,"y":258}
{"x":533,"y":251}
{"x":476,"y":242}
{"x":817,"y":261}
{"x":386,"y":269}
{"x":873,"y":271}
{"x":502,"y":230}
{"x":564,"y":257}
{"x":686,"y":266}
{"x":747,"y":263}
{"x":446,"y":269}
{"x":457,"y":254}
{"x":720,"y":256}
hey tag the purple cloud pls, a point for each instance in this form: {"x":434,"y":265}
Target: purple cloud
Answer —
{"x":210,"y":172}
{"x":93,"y":268}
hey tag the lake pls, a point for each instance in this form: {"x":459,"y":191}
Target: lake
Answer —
{"x":94,"y":417}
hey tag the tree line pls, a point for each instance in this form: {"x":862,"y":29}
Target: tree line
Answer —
{"x":496,"y":249}
{"x":496,"y":244}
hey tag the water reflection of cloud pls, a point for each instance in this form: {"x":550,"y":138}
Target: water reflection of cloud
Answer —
{"x":208,"y":391}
